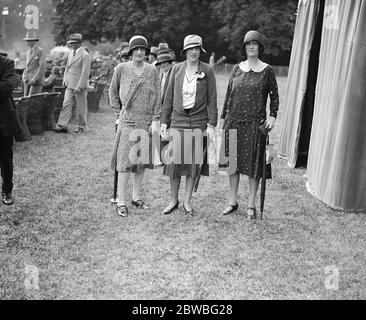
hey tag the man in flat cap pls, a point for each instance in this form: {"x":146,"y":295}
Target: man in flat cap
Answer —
{"x":76,"y":80}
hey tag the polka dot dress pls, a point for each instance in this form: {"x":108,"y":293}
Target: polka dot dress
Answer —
{"x":245,"y":110}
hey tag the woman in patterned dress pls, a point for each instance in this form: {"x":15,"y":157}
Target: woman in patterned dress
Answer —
{"x":250,"y":84}
{"x":135,"y":96}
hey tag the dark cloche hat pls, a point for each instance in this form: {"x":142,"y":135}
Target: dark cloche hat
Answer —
{"x":138,"y":42}
{"x":253,"y":35}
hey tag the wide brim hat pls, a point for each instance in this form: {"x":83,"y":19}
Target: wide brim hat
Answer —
{"x":75,"y":38}
{"x":253,"y":35}
{"x":164,"y":56}
{"x":31,"y":36}
{"x":138,"y":42}
{"x":192,"y":41}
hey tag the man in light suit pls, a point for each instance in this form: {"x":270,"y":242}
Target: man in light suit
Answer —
{"x":35,"y":69}
{"x":76,"y":79}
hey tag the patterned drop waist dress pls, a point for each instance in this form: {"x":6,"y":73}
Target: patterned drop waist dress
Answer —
{"x":136,"y":101}
{"x":245,"y":110}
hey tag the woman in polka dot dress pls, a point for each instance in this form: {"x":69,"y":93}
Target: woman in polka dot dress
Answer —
{"x":250,"y":84}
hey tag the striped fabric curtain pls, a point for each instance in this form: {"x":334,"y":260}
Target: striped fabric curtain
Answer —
{"x":337,"y":155}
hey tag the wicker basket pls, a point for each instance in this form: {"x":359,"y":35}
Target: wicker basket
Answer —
{"x":22,"y":110}
{"x":34,"y":121}
{"x":48,"y":90}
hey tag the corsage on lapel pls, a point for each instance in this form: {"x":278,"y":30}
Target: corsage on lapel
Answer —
{"x":200,"y":75}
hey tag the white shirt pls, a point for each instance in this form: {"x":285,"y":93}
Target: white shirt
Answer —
{"x":189,"y":92}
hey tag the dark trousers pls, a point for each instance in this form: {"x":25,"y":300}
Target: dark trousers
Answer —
{"x":6,"y":162}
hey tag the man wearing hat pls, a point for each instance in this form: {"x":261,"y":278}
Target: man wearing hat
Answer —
{"x":35,"y":69}
{"x":76,"y":79}
{"x":8,"y":125}
{"x":50,"y":81}
{"x":153,"y":56}
{"x":123,"y":54}
{"x":165,"y":64}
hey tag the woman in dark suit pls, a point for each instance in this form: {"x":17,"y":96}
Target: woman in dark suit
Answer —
{"x":191,"y":105}
{"x":251,"y":83}
{"x":8,"y":124}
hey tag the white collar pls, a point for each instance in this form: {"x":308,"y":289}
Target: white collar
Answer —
{"x":257,"y":68}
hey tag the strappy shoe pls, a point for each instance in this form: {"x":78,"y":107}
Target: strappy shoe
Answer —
{"x":188,"y":212}
{"x":252,"y":213}
{"x":230,"y":209}
{"x":122,"y":211}
{"x":139,"y":204}
{"x":170,"y":211}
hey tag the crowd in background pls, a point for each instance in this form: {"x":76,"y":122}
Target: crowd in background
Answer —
{"x":101,"y":69}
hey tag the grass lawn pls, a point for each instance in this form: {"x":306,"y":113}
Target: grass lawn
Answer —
{"x":64,"y":225}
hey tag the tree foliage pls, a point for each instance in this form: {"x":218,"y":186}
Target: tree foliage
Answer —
{"x":275,"y":19}
{"x":221,"y":23}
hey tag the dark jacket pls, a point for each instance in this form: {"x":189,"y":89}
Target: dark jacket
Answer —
{"x":205,"y":110}
{"x":8,"y":122}
{"x":166,"y":84}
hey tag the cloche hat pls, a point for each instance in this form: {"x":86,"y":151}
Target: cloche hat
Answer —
{"x":138,"y":42}
{"x":253,"y":35}
{"x":192,"y":41}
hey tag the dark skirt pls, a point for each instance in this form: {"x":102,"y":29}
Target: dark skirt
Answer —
{"x":184,"y":159}
{"x":251,"y":146}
